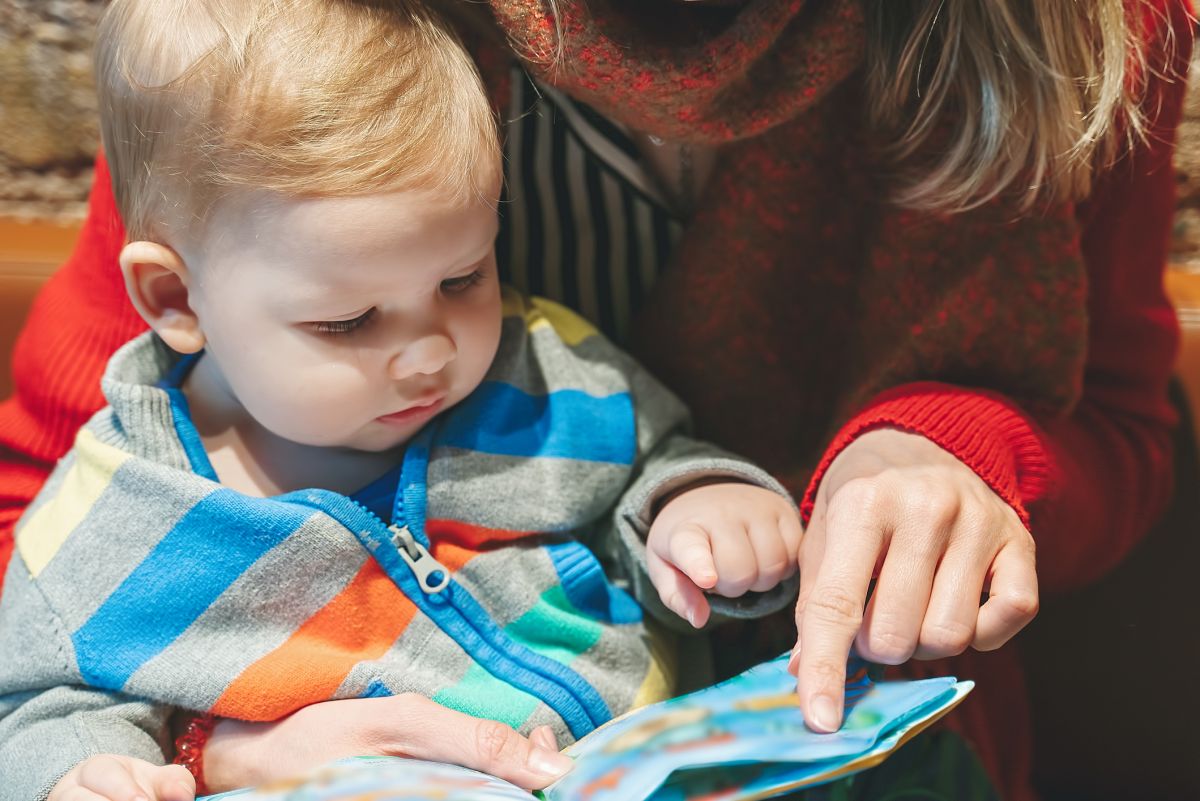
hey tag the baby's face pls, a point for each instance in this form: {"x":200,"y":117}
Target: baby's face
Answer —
{"x":348,"y":322}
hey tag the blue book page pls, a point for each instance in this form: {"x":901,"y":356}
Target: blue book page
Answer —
{"x":754,"y":781}
{"x":383,"y":779}
{"x":752,"y":719}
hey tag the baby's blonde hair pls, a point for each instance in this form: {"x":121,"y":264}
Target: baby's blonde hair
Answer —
{"x":305,"y":98}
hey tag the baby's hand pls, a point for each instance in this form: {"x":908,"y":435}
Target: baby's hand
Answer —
{"x":121,"y":778}
{"x":725,"y":538}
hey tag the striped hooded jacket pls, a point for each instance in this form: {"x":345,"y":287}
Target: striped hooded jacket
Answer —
{"x":140,"y":585}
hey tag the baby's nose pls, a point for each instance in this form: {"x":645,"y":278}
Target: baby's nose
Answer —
{"x":425,"y":356}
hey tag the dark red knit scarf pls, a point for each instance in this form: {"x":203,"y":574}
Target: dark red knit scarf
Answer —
{"x":712,"y":75}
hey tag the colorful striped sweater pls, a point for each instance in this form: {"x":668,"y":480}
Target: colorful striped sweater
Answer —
{"x":141,"y":585}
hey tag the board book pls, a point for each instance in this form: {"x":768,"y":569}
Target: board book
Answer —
{"x":740,"y":740}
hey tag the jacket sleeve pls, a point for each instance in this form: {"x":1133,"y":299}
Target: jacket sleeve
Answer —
{"x":669,"y":460}
{"x":50,"y":721}
{"x":79,"y":319}
{"x":1090,"y":484}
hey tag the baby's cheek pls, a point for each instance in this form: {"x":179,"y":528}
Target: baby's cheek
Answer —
{"x":316,"y":407}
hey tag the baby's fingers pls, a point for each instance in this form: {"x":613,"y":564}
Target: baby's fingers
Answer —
{"x":677,"y":591}
{"x":690,"y":550}
{"x":776,"y":558}
{"x":172,"y":783}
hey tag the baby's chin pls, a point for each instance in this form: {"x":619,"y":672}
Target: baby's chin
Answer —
{"x":359,"y":444}
{"x":378,"y":438}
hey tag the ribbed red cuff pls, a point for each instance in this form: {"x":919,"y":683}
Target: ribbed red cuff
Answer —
{"x":983,"y":430}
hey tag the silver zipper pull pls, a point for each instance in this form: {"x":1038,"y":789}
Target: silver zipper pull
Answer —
{"x":422,"y":563}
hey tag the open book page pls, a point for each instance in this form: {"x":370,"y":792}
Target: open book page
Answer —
{"x":383,"y":779}
{"x":752,"y":719}
{"x":740,"y":740}
{"x":760,"y":780}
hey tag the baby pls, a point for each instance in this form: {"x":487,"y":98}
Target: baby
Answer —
{"x":345,"y":462}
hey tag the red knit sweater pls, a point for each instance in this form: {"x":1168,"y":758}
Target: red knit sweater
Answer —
{"x":1084,"y":457}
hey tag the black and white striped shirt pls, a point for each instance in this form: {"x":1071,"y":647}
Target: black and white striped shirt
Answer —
{"x":581,"y":221}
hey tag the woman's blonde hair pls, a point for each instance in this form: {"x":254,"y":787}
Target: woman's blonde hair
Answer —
{"x":299,"y":97}
{"x":979,"y":98}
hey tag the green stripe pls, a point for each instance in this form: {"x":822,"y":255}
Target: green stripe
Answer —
{"x":554,"y":628}
{"x":482,"y":695}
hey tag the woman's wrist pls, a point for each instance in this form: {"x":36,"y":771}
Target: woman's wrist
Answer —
{"x":984,"y":430}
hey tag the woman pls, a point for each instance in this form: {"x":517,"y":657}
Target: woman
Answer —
{"x":907,"y":255}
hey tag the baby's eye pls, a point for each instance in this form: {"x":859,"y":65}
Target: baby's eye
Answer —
{"x":462,"y":283}
{"x":343,"y":326}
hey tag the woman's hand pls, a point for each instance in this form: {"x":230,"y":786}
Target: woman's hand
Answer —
{"x":895,"y":507}
{"x":240,"y":754}
{"x":112,"y":777}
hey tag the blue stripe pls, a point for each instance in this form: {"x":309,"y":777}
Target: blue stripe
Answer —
{"x":586,"y":586}
{"x":213,"y":544}
{"x":376,"y":689}
{"x":179,"y":372}
{"x":409,"y":508}
{"x":181,"y":416}
{"x":193,"y":445}
{"x":500,"y":419}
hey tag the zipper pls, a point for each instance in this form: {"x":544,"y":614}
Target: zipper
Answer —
{"x":430,"y":586}
{"x":431,"y":574}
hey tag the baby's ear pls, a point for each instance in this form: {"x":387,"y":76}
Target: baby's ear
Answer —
{"x":157,"y":281}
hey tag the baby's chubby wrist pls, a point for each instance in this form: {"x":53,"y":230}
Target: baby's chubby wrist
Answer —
{"x":702,"y":482}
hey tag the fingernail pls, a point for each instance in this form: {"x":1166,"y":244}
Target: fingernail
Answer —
{"x":824,"y":713}
{"x":794,"y":661}
{"x":691,"y":616}
{"x":549,"y":763}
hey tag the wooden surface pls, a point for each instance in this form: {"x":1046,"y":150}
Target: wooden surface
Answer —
{"x":1184,"y":291}
{"x":29,"y":253}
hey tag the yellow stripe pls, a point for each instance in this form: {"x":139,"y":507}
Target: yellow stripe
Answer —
{"x":541,"y":313}
{"x":661,"y":678}
{"x":570,"y":327}
{"x":41,"y":534}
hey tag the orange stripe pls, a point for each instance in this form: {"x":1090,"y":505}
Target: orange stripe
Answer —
{"x":455,"y":543}
{"x":360,"y":623}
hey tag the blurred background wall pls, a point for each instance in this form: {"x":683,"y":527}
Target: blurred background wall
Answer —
{"x":48,"y":131}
